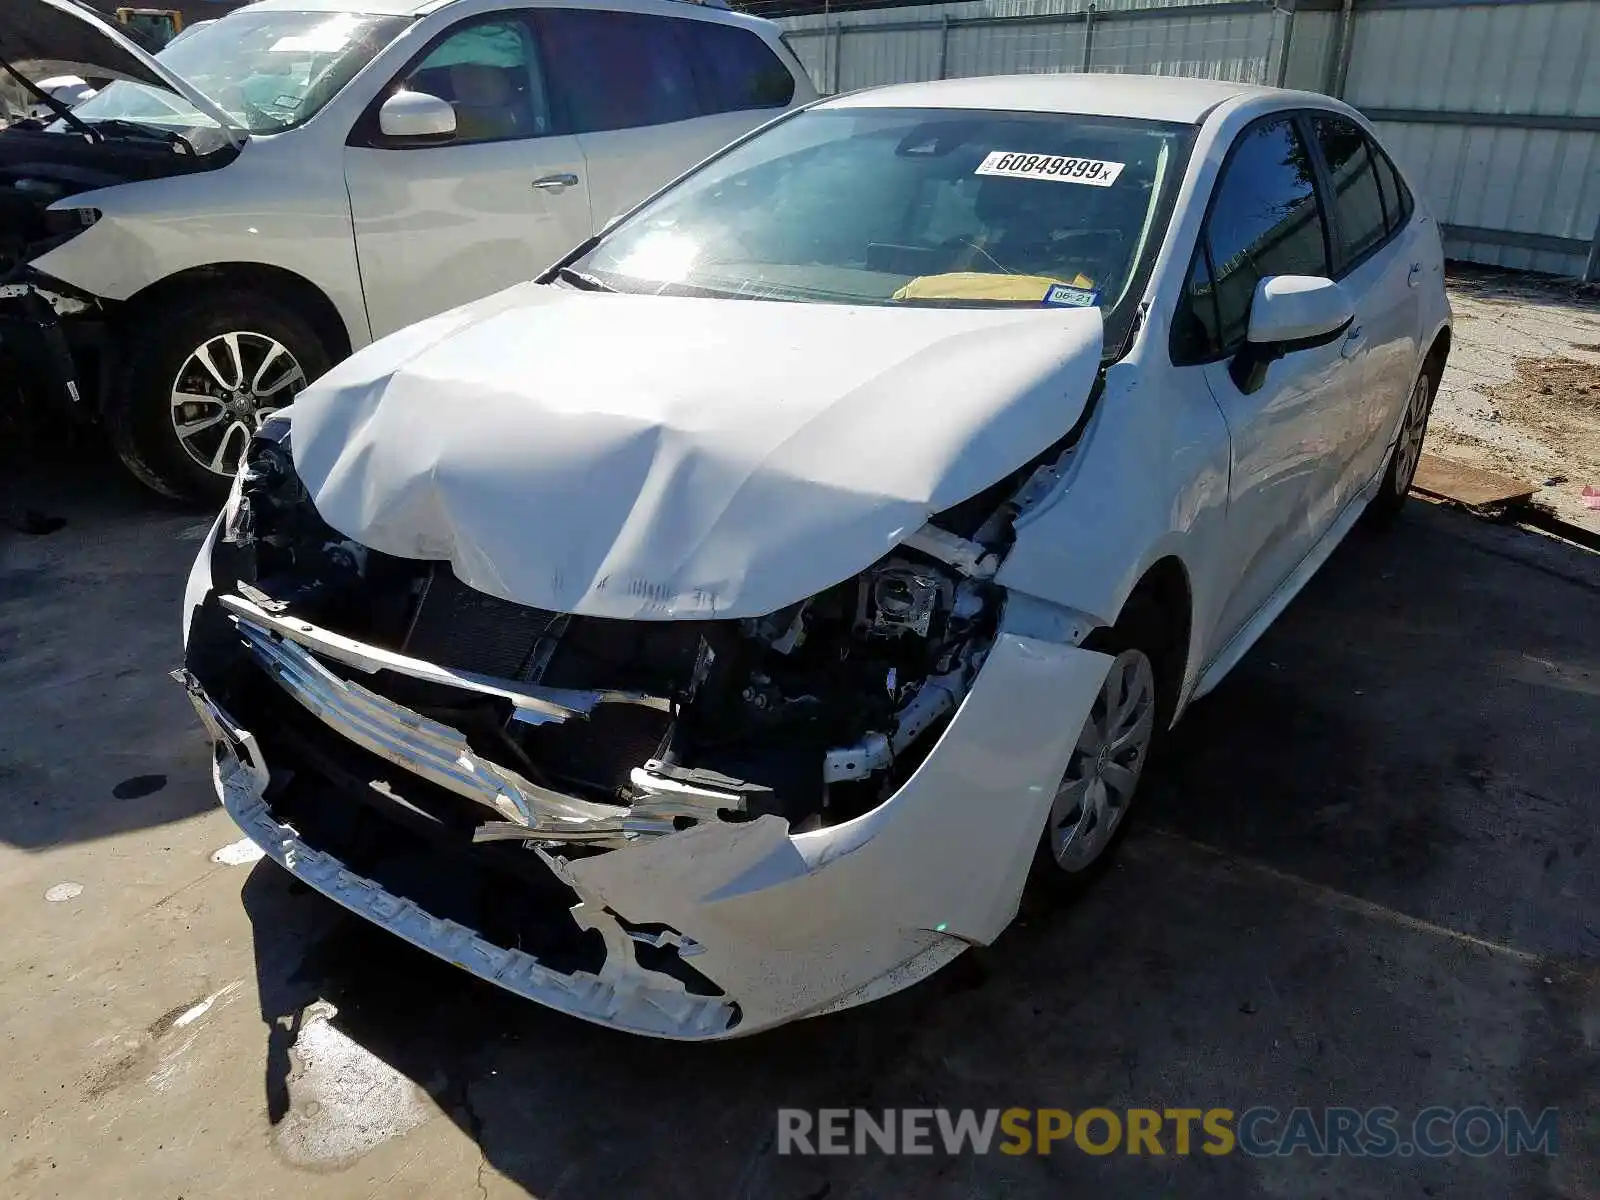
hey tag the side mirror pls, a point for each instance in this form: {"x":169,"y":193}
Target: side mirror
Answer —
{"x":1289,"y":313}
{"x":417,"y":119}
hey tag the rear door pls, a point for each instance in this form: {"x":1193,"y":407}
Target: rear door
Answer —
{"x":439,"y":225}
{"x":649,"y":96}
{"x":1377,"y":261}
{"x":1265,"y":218}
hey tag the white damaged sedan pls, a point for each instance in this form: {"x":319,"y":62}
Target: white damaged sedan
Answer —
{"x":721,"y":629}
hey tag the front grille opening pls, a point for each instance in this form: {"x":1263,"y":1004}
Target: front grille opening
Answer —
{"x":413,"y":838}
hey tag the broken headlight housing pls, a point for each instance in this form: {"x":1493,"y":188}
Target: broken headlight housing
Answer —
{"x":265,"y":483}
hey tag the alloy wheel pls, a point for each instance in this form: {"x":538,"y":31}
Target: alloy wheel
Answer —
{"x":1098,"y":787}
{"x":225,"y":390}
{"x":1408,"y":449}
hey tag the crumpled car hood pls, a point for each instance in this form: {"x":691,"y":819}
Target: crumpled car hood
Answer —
{"x":661,"y":458}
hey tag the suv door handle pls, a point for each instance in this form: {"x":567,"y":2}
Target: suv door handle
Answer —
{"x":1352,"y":342}
{"x":1415,"y":278}
{"x":554,"y":183}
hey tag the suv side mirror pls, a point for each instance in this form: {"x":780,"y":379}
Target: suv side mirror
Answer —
{"x":1289,"y":313}
{"x":417,"y":119}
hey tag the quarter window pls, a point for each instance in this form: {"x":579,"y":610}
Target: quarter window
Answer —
{"x":1265,"y":219}
{"x":1357,"y":200}
{"x":490,"y":73}
{"x":616,"y":70}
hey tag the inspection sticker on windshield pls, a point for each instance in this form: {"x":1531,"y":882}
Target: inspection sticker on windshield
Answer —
{"x":1061,"y":294}
{"x":1095,"y":172}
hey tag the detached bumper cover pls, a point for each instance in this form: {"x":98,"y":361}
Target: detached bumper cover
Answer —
{"x":786,"y":925}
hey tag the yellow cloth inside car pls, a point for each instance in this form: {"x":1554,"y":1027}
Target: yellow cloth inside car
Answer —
{"x":983,"y":285}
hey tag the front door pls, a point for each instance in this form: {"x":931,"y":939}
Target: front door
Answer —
{"x":439,"y":225}
{"x":1288,"y":434}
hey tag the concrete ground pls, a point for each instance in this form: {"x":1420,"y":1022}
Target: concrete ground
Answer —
{"x":1367,"y":875}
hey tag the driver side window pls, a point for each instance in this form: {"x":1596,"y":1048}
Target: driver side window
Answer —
{"x":489,"y":71}
{"x":1265,"y":219}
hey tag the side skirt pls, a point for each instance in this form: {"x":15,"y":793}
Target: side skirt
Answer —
{"x":1239,"y":645}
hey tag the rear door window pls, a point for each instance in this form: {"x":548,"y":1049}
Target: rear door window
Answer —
{"x":1397,"y":202}
{"x":737,"y":69}
{"x":617,"y":70}
{"x":1357,"y":201}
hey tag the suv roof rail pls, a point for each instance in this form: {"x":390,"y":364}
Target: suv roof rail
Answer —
{"x":707,"y":3}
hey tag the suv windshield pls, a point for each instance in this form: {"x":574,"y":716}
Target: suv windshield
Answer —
{"x":909,"y":206}
{"x":269,"y":71}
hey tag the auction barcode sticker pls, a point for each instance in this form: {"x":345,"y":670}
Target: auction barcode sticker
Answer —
{"x":1016,"y":165}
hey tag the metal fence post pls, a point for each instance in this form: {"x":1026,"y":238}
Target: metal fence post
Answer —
{"x":1088,"y":37}
{"x":944,"y":42}
{"x":1339,"y":66}
{"x":833,"y":53}
{"x":1591,"y":269}
{"x":1283,"y":49}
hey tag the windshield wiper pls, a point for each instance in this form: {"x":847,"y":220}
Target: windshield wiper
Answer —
{"x":580,"y":280}
{"x":138,"y":129}
{"x":50,"y":102}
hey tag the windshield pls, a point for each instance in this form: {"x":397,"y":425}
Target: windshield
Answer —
{"x":269,"y":71}
{"x":908,"y":206}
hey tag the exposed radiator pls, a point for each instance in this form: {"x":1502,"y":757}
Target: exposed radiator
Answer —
{"x":457,"y":626}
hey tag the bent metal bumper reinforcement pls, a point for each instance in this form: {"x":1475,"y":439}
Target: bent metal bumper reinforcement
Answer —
{"x":622,"y":996}
{"x":441,"y":755}
{"x":534,"y":705}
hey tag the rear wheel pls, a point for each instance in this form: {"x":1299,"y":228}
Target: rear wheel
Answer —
{"x":1407,"y":452}
{"x":201,"y":378}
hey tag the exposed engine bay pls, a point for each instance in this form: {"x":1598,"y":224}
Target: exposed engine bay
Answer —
{"x":609,"y":730}
{"x":39,"y":167}
{"x":51,"y":339}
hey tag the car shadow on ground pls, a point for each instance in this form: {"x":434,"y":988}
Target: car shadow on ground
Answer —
{"x":94,"y":740}
{"x":1416,"y":734}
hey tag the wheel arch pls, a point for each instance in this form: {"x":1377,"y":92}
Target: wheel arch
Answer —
{"x":1438,"y":353}
{"x":292,"y":290}
{"x":1166,"y":585}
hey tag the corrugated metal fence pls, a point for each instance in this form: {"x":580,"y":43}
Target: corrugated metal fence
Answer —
{"x":1493,"y":106}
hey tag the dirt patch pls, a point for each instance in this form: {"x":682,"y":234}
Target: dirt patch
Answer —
{"x":1559,"y":399}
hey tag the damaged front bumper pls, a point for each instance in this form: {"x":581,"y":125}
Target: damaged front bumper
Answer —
{"x":766,"y":925}
{"x":628,"y":1000}
{"x":35,"y":341}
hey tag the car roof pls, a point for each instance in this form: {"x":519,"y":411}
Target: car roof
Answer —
{"x":418,"y":8}
{"x":1152,"y":97}
{"x":376,"y":8}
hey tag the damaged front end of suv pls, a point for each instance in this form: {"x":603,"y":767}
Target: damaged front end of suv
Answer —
{"x":58,"y":345}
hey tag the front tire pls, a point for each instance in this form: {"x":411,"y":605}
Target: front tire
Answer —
{"x":1125,"y":727}
{"x":1407,"y":453}
{"x":201,"y":377}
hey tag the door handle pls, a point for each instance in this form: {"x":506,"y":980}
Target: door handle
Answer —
{"x":1415,"y":278}
{"x":1352,"y":342}
{"x":554,"y":183}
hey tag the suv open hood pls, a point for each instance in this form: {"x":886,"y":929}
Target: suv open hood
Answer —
{"x":671,"y":458}
{"x":45,"y":38}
